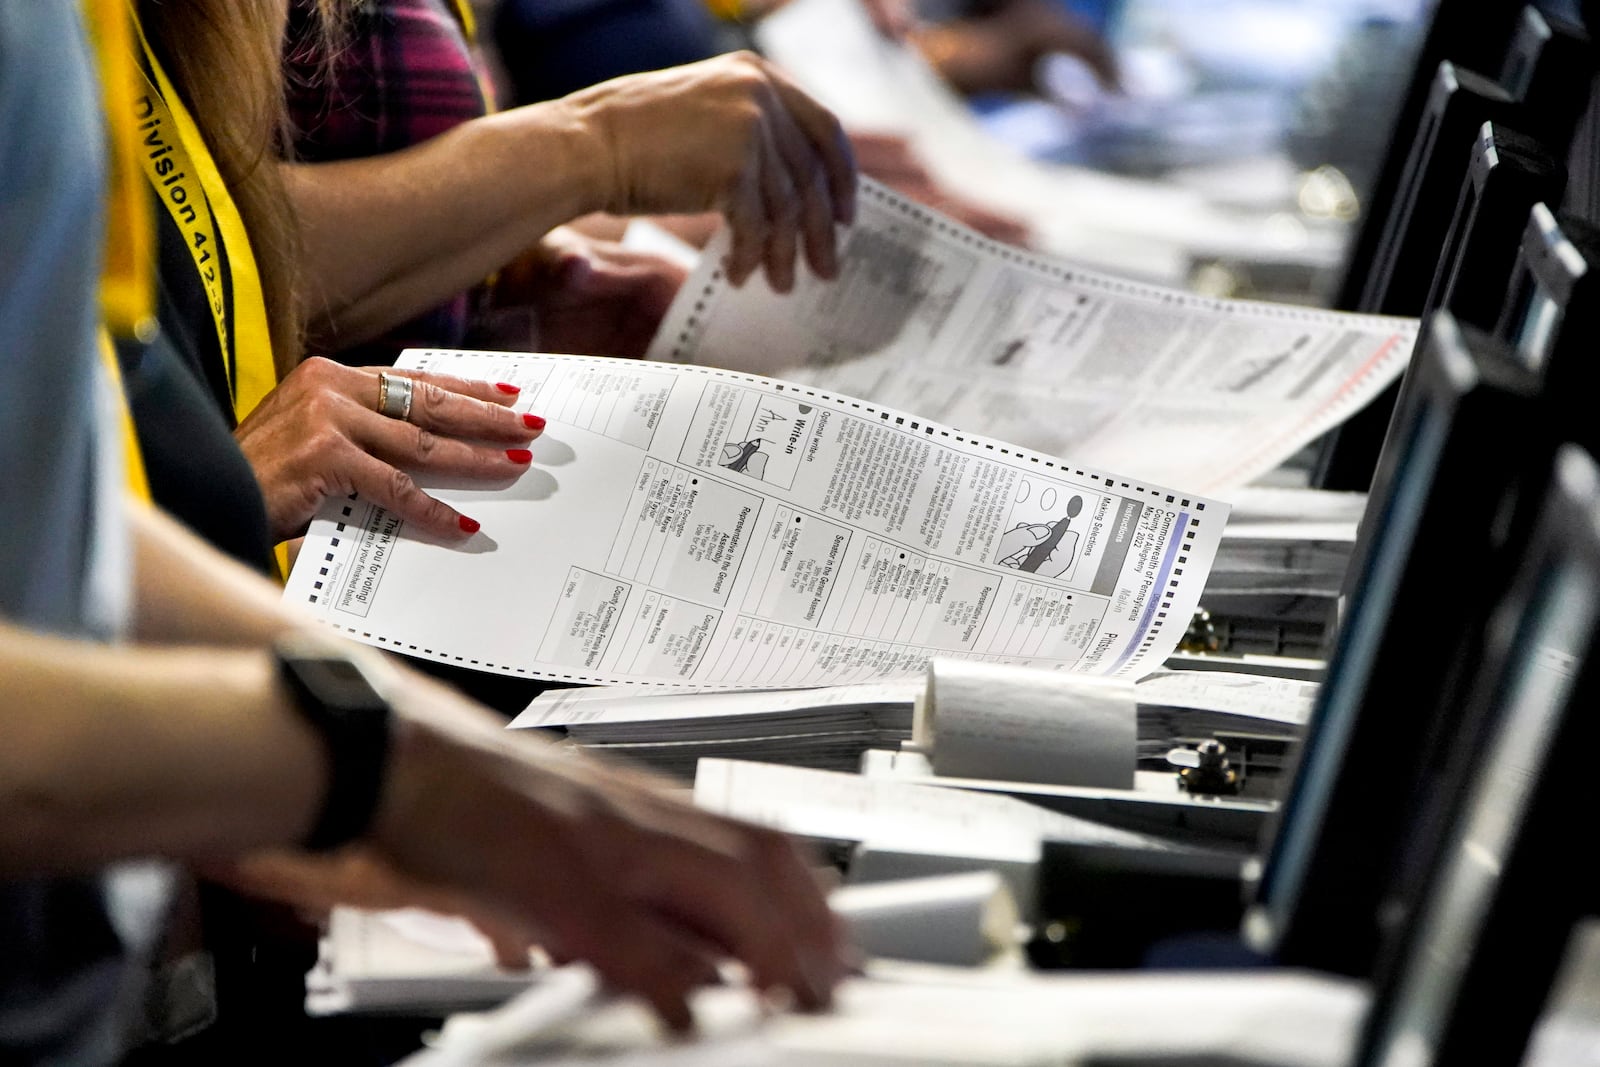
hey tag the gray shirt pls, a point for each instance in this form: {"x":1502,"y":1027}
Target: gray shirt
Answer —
{"x":69,"y":948}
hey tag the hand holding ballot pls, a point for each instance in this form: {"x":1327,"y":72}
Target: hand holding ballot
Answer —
{"x":766,"y":155}
{"x":330,"y":430}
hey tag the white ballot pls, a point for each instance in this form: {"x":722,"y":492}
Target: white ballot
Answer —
{"x":690,"y":526}
{"x":616,"y":706}
{"x":670,"y":729}
{"x":929,"y":316}
{"x":983,"y":720}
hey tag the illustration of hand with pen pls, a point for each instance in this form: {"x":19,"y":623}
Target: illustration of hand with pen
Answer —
{"x":1047,"y":549}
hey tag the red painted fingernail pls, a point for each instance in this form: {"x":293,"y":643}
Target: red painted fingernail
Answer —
{"x":507,"y":387}
{"x":533,"y":422}
{"x":519,"y":455}
{"x":467,"y":525}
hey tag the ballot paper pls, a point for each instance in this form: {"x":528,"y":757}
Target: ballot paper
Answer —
{"x":929,"y":316}
{"x":670,"y":730}
{"x":689,"y":526}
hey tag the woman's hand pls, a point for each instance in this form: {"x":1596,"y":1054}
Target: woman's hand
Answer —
{"x":319,"y":434}
{"x":731,"y":134}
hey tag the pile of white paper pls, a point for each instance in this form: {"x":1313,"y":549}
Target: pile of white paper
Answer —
{"x":831,"y":728}
{"x":827,"y":728}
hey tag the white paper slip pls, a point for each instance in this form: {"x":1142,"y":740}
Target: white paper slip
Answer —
{"x":929,"y":316}
{"x":670,"y":730}
{"x":688,"y":526}
{"x":612,"y":706}
{"x":983,"y":720}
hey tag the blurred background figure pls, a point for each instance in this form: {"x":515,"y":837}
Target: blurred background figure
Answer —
{"x":547,"y":50}
{"x":1212,"y":79}
{"x":551,"y":49}
{"x":1252,"y":127}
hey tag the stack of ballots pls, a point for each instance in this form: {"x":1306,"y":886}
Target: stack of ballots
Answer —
{"x":1279,"y":569}
{"x":830,"y":728}
{"x":826,"y":729}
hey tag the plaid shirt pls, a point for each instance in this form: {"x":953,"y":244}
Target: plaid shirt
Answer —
{"x":406,"y":73}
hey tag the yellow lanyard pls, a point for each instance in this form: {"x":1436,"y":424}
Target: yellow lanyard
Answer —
{"x":480,"y":74}
{"x":469,"y":24}
{"x":133,"y":473}
{"x":186,"y":180}
{"x":127,"y":285}
{"x":127,"y":274}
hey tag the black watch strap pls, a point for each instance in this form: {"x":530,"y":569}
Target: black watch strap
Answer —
{"x":333,"y":693}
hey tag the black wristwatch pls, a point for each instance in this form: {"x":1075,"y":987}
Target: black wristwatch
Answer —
{"x":333,"y":693}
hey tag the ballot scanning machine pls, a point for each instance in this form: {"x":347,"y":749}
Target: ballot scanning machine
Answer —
{"x":1327,"y":848}
{"x":1540,"y":93}
{"x":1477,"y":945}
{"x":1462,"y":470}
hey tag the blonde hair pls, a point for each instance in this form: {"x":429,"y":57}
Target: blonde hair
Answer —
{"x":225,"y":57}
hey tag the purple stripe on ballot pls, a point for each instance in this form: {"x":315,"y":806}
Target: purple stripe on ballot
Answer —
{"x":1157,"y":593}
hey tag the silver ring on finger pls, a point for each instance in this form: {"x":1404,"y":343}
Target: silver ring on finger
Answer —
{"x":394,"y":396}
